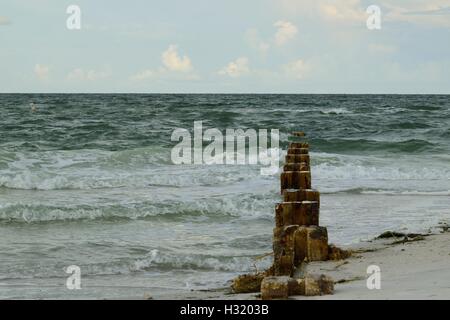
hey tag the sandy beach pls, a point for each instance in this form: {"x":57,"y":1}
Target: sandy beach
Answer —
{"x":416,"y":269}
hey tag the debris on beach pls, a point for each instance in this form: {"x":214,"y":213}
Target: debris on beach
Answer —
{"x":336,"y":253}
{"x":400,"y":237}
{"x":443,"y":226}
{"x":394,"y":234}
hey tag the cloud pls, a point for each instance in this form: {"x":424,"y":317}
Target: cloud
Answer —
{"x":174,"y":62}
{"x":286,"y":31}
{"x":4,"y":21}
{"x":41,"y":71}
{"x":333,"y":10}
{"x":297,"y":69}
{"x":236,"y":68}
{"x":430,"y":13}
{"x":80,"y":74}
{"x":174,"y":67}
{"x":424,"y":12}
{"x":162,"y":74}
{"x":343,"y":10}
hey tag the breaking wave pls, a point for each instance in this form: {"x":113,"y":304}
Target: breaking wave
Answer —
{"x":216,"y":208}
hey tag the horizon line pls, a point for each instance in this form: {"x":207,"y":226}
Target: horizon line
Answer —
{"x":226,"y":93}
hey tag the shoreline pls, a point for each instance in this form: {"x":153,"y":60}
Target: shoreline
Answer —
{"x":411,"y":268}
{"x":415,"y":267}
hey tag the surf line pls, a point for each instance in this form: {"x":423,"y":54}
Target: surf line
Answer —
{"x":242,"y":147}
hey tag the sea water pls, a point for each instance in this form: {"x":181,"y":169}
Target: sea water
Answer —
{"x":87,"y":180}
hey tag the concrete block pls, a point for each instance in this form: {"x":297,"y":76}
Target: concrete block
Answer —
{"x":305,"y":213}
{"x":298,"y":158}
{"x":296,"y":167}
{"x":298,"y":151}
{"x":277,"y":287}
{"x":283,"y":250}
{"x":317,"y":285}
{"x":247,"y":283}
{"x":293,"y":195}
{"x":298,"y":145}
{"x":295,"y":180}
{"x":311,"y":243}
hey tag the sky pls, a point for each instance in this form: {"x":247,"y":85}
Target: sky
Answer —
{"x":227,"y":46}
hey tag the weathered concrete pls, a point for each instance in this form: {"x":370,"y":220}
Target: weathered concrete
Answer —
{"x":305,"y":213}
{"x":311,"y":244}
{"x":295,"y":180}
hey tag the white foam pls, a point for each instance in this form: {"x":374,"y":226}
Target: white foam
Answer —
{"x":335,"y":111}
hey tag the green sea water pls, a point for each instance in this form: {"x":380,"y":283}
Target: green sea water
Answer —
{"x":88,"y":180}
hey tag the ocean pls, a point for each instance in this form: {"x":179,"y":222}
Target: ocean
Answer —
{"x":87,"y":180}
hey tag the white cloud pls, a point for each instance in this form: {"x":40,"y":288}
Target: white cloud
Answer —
{"x":286,"y":31}
{"x":163,"y":74}
{"x":80,"y":74}
{"x":41,"y":71}
{"x":343,"y":10}
{"x":174,"y":67}
{"x":174,"y":62}
{"x":297,"y":69}
{"x":236,"y":68}
{"x":337,"y":10}
{"x":430,"y":12}
{"x":424,"y":12}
